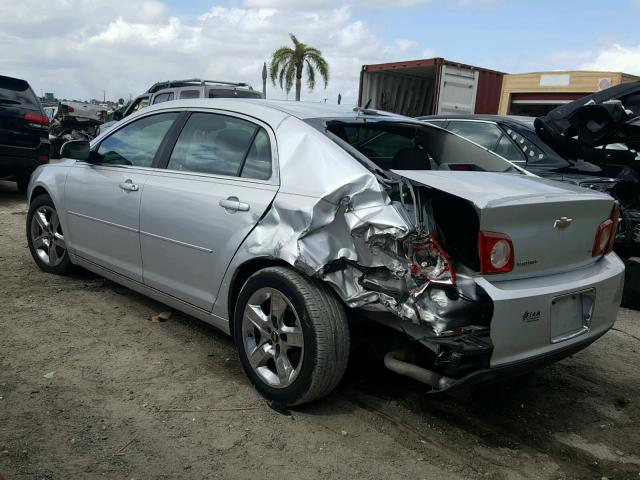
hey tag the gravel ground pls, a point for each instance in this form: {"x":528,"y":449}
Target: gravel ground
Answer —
{"x":91,"y":388}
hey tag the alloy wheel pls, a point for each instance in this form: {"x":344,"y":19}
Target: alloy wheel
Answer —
{"x":272,"y":337}
{"x":47,"y":237}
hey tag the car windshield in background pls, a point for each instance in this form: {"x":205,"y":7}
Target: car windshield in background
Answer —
{"x":409,"y":146}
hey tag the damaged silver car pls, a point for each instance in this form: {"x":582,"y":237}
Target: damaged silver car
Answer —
{"x":291,"y":225}
{"x":74,"y":121}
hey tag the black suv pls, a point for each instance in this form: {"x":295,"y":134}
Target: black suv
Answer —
{"x":24,"y":137}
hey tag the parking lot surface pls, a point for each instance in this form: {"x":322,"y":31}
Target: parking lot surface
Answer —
{"x":90,"y":387}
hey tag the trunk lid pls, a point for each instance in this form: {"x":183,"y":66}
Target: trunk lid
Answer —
{"x":611,"y":116}
{"x":530,"y":210}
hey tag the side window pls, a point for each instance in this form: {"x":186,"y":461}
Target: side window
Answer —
{"x":218,"y":145}
{"x":258,"y":162}
{"x":507,"y":149}
{"x":485,"y":134}
{"x":163,"y":97}
{"x":137,"y":143}
{"x":189,"y":94}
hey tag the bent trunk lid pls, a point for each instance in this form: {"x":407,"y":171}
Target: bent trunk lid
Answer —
{"x":552,"y":224}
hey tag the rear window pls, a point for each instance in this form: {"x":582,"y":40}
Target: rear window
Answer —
{"x":233,"y":93}
{"x":408,"y":146}
{"x":185,"y":94}
{"x":14,"y":91}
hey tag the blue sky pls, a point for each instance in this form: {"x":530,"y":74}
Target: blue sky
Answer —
{"x":123,"y":46}
{"x":513,"y":36}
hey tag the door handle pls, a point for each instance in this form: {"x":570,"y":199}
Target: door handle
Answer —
{"x":129,"y":186}
{"x":233,"y":204}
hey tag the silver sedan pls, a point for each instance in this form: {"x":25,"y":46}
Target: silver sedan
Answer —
{"x":287,"y":224}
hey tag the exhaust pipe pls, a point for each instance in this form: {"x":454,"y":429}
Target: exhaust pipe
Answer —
{"x":394,"y":361}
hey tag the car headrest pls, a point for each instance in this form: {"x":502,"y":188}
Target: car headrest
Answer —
{"x":411,"y":159}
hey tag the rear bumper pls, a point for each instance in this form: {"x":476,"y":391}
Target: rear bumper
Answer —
{"x":15,"y":160}
{"x":504,"y":372}
{"x":523,"y":322}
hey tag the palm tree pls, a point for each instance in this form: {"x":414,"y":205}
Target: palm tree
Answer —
{"x":288,"y":63}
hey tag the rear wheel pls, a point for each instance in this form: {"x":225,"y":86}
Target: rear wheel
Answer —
{"x":46,"y":238}
{"x":292,"y":336}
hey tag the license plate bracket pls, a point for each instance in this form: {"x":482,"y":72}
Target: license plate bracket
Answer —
{"x":571,"y":314}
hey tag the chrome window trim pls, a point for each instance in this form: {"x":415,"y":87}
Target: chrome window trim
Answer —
{"x":275,"y":165}
{"x":491,"y":122}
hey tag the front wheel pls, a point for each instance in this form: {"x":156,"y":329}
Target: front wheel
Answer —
{"x":46,"y":238}
{"x":292,"y":336}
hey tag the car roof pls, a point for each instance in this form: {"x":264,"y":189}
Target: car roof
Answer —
{"x":274,"y":111}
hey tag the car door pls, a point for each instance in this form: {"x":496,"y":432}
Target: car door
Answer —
{"x":220,"y":178}
{"x":102,"y":197}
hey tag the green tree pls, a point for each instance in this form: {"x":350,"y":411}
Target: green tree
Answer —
{"x":288,"y":64}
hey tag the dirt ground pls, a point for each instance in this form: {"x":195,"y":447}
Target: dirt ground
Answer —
{"x":91,"y":388}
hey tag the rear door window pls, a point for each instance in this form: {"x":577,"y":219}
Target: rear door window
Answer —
{"x":163,"y":97}
{"x":185,"y":94}
{"x":135,"y":144}
{"x":222,"y":145}
{"x":232,"y":93}
{"x":258,"y":162}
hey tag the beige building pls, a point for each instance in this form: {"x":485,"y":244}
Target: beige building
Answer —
{"x":536,"y":93}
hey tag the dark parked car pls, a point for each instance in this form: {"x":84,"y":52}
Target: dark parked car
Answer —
{"x":609,"y":163}
{"x":24,"y":141}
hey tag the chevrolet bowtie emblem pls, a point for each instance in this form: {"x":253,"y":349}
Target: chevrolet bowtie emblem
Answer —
{"x":562,"y":222}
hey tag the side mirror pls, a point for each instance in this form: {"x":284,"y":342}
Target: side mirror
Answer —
{"x":117,"y":116}
{"x":76,"y":150}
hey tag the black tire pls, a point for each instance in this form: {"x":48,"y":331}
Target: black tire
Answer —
{"x":65,"y":266}
{"x":325,"y":332}
{"x":22,"y":183}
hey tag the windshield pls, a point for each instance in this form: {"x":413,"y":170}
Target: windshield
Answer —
{"x":393,"y":145}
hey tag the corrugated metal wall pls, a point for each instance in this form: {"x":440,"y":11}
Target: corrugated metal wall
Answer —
{"x":489,"y":90}
{"x":391,"y":92}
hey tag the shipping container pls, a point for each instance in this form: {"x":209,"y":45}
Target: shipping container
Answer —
{"x":431,"y":86}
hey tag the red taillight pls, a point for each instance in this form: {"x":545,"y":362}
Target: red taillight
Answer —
{"x":606,"y":233}
{"x":36,"y":120}
{"x":496,"y":252}
{"x":430,"y":262}
{"x":43,"y":158}
{"x":70,"y":109}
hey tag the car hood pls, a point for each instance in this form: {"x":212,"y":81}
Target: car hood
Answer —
{"x":610,"y":116}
